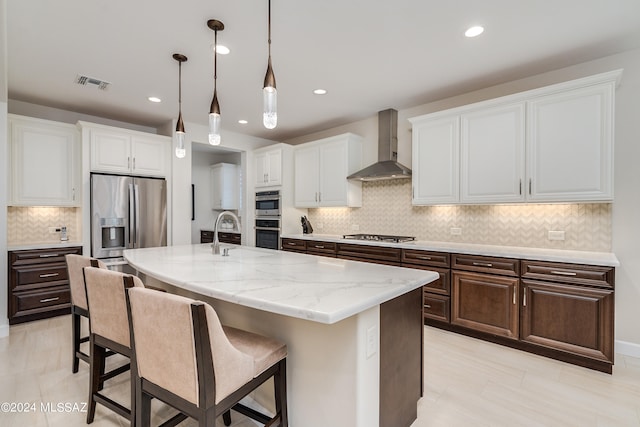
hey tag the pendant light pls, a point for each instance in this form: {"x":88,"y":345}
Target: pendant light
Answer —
{"x":269,"y":93}
{"x":180,"y":150}
{"x":214,"y":111}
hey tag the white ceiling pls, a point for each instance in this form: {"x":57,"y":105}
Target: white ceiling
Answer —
{"x":369,"y":54}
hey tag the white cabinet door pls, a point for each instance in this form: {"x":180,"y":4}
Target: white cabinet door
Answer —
{"x":268,"y":167}
{"x":45,"y":163}
{"x":307,"y":176}
{"x":110,"y":151}
{"x":224,"y":186}
{"x":121,"y":151}
{"x":435,"y":161}
{"x":149,"y":155}
{"x":333,"y":171}
{"x":492,"y":155}
{"x":570,"y":145}
{"x":274,"y":160}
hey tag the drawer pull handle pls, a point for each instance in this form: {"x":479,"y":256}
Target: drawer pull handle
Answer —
{"x":482,"y":264}
{"x":292,"y":243}
{"x":319,"y":246}
{"x":424,"y":257}
{"x":48,"y":255}
{"x":42,"y":276}
{"x":49,"y":299}
{"x":427,"y":306}
{"x":563,"y":273}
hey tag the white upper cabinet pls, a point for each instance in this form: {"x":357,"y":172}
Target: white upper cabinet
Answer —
{"x":570,"y":145}
{"x":321,"y":169}
{"x":553,"y":144}
{"x":268,"y":167}
{"x":435,"y":160}
{"x":45,"y":163}
{"x":492,"y":155}
{"x":224,"y":186}
{"x":122,"y":151}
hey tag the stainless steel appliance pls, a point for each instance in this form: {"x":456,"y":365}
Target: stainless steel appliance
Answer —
{"x":268,"y":210}
{"x":379,"y":238}
{"x":126,"y":212}
{"x":268,"y":203}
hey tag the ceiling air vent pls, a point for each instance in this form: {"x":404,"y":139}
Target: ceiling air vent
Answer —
{"x":86,"y":80}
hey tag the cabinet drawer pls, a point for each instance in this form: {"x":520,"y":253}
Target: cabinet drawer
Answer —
{"x":434,"y":259}
{"x":569,"y":273}
{"x":41,"y":256}
{"x":234,"y":238}
{"x":321,"y":248}
{"x":296,"y":245}
{"x":206,"y":236}
{"x":43,"y":275}
{"x":442,"y":285}
{"x":369,"y":253}
{"x":436,"y":307}
{"x":484,"y":264}
{"x":40,"y":301}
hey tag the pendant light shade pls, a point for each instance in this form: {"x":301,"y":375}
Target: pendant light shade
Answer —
{"x":269,"y":92}
{"x":180,"y":150}
{"x":214,"y":110}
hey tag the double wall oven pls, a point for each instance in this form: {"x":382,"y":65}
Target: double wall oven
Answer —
{"x":268,"y":215}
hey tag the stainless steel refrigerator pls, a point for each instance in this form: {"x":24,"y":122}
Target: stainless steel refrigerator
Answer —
{"x":126,"y":212}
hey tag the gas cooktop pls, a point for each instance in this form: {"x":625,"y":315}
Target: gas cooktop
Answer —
{"x":379,"y":238}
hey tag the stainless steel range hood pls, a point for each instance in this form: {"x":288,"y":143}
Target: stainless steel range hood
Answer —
{"x":387,"y":166}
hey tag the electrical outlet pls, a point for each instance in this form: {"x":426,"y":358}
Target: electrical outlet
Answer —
{"x":355,"y":227}
{"x":320,"y":225}
{"x":372,"y":341}
{"x":455,"y":231}
{"x":555,"y":235}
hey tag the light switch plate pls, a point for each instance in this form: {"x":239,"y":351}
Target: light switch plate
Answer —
{"x":372,"y":341}
{"x":455,"y":231}
{"x":555,"y":235}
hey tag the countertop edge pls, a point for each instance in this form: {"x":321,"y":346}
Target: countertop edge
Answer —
{"x":44,"y":245}
{"x":607,"y":259}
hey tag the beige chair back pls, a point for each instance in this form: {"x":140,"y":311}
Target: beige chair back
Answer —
{"x":75,"y":264}
{"x":107,"y":303}
{"x":165,"y":346}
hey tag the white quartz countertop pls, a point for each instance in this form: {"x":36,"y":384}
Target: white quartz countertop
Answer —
{"x":42,"y":245}
{"x":324,"y":290}
{"x":554,"y":255}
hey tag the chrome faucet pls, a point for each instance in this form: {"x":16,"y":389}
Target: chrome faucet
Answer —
{"x":216,"y":242}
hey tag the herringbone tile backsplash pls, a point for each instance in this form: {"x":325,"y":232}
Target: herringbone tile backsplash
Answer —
{"x":27,"y":225}
{"x":386,"y":209}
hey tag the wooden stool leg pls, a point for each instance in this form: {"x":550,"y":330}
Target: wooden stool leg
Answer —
{"x":280,"y":391}
{"x":96,"y":366}
{"x":75,"y":327}
{"x":143,"y":407}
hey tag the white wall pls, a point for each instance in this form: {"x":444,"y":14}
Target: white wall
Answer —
{"x":4,"y":170}
{"x":626,"y":227}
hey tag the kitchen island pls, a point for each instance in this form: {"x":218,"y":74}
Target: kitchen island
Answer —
{"x":353,"y":330}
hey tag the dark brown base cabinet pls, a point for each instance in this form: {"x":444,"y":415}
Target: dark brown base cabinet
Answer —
{"x":206,"y":236}
{"x":39,"y":284}
{"x":558,"y":310}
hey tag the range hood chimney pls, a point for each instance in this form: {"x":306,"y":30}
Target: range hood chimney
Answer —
{"x":387,"y":166}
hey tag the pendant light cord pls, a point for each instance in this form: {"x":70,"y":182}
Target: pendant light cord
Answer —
{"x":215,"y":59}
{"x":269,"y":40}
{"x":180,"y":87}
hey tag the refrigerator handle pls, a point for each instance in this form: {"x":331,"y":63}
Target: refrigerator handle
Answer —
{"x":136,"y":192}
{"x":132,"y":218}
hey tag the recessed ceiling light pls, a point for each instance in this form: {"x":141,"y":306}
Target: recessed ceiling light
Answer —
{"x":223,"y":50}
{"x":474,"y":31}
{"x":242,"y":122}
{"x":154,"y":99}
{"x":320,"y":92}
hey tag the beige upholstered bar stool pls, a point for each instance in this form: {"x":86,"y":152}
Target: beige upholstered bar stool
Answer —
{"x":187,"y":359}
{"x":75,"y":264}
{"x":108,"y":329}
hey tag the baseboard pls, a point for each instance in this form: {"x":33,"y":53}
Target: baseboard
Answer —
{"x":627,"y":348}
{"x":4,"y":329}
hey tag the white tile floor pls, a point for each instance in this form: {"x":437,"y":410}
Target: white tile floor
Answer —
{"x":468,"y":382}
